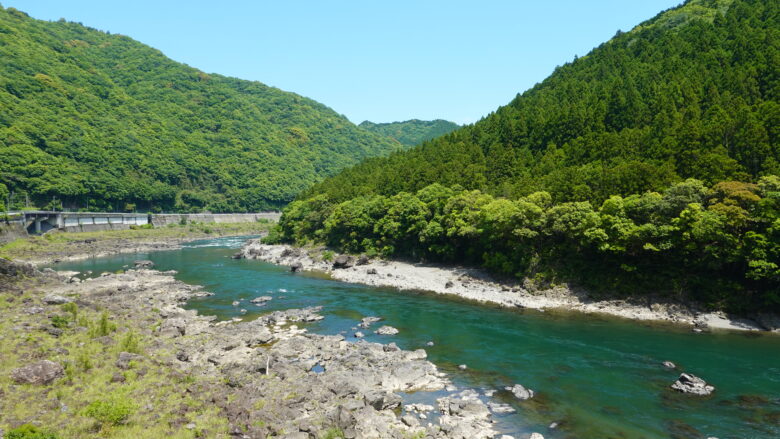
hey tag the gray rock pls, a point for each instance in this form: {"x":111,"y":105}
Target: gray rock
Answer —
{"x":182,"y":356}
{"x":382,"y":400}
{"x":371,"y":271}
{"x":55,"y":299}
{"x":429,"y":344}
{"x":692,"y":384}
{"x":262,"y":299}
{"x":391,"y":347}
{"x":410,"y":421}
{"x":42,"y":372}
{"x":499,"y":408}
{"x":343,"y":261}
{"x":238,"y":255}
{"x":143,"y":264}
{"x":386,"y":330}
{"x":365,"y":322}
{"x":296,"y":266}
{"x":449,"y":284}
{"x":16,"y":269}
{"x":521,"y":392}
{"x":536,"y":436}
{"x":362,"y":260}
{"x":462,"y":367}
{"x":118,"y":378}
{"x":359,"y":335}
{"x":669,"y":365}
{"x":174,"y":326}
{"x":123,"y":362}
{"x":236,"y":303}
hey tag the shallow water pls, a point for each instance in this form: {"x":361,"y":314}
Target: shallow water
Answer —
{"x":596,"y":377}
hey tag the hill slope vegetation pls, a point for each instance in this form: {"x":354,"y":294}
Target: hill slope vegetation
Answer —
{"x":645,"y":167}
{"x":412,"y":132}
{"x":100,"y":121}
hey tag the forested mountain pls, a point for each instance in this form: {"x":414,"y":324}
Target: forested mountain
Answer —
{"x":102,"y":121}
{"x":412,"y":132}
{"x":644,"y":167}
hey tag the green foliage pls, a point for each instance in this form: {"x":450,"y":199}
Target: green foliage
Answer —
{"x":692,"y":93}
{"x":717,"y":244}
{"x":130,"y":343}
{"x":71,"y":308}
{"x":333,"y":433}
{"x":327,"y":255}
{"x":3,"y":196}
{"x":99,"y":121}
{"x":60,"y":322}
{"x":29,"y":431}
{"x":110,"y":412}
{"x":412,"y":132}
{"x":102,"y":327}
{"x":647,"y":166}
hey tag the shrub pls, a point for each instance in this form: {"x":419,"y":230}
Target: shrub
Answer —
{"x":60,"y":322}
{"x":28,"y":431}
{"x":327,"y":255}
{"x":130,"y":343}
{"x":71,"y":308}
{"x":333,"y":433}
{"x":112,"y":411}
{"x":102,"y":327}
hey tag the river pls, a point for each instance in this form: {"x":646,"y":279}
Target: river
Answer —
{"x":596,"y":377}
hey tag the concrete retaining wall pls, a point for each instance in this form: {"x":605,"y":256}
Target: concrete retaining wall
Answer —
{"x":94,"y":227}
{"x":11,"y":232}
{"x":173,"y":218}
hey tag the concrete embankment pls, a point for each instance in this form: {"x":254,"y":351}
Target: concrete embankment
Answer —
{"x":217,"y":218}
{"x":37,"y":222}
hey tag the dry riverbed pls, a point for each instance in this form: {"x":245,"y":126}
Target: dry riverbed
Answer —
{"x":118,"y":356}
{"x":479,"y":286}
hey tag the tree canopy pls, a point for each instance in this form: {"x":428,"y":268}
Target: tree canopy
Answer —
{"x":412,"y":132}
{"x":691,"y":93}
{"x":100,"y":121}
{"x":647,"y":166}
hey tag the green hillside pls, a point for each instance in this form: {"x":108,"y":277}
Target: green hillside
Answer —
{"x":644,"y":167}
{"x":412,"y":132}
{"x":101,"y":121}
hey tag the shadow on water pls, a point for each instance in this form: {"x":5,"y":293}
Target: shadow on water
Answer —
{"x":596,"y":377}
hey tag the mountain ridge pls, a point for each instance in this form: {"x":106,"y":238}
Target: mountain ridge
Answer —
{"x":96,"y":120}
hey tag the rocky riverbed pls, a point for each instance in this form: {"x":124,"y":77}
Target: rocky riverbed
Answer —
{"x":477,"y":285}
{"x":266,"y":377}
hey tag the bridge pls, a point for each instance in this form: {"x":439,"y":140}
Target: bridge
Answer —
{"x":37,"y":222}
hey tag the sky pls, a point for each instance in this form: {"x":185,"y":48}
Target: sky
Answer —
{"x":381,"y":61}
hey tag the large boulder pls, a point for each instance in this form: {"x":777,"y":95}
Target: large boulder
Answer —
{"x":143,"y":265}
{"x":521,"y":392}
{"x":343,"y":261}
{"x":55,"y":299}
{"x":692,"y":384}
{"x":383,"y":400}
{"x":362,"y":260}
{"x":296,"y":266}
{"x":42,"y":372}
{"x":10,"y":268}
{"x":125,"y":358}
{"x":386,"y":330}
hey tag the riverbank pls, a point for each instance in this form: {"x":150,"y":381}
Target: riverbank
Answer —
{"x":117,"y":356}
{"x":55,"y":246}
{"x":479,"y":286}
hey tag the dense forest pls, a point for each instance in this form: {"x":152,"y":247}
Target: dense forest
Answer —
{"x":100,"y":121}
{"x":412,"y":132}
{"x":645,"y":166}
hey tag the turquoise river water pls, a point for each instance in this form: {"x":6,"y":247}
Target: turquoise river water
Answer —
{"x":596,"y":377}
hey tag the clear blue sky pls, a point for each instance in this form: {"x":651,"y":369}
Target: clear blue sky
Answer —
{"x":381,"y":61}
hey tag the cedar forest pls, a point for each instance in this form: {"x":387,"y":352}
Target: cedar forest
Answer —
{"x":647,"y":166}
